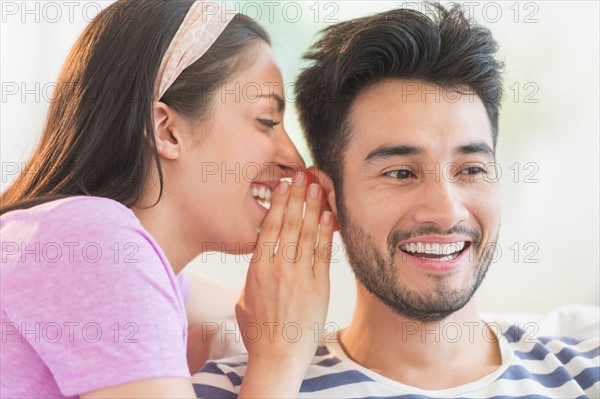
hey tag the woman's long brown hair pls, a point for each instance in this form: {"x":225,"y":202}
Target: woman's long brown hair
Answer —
{"x":93,"y":141}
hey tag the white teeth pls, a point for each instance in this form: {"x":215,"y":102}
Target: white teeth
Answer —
{"x":262,"y":195}
{"x":435,"y":248}
{"x":261,"y":192}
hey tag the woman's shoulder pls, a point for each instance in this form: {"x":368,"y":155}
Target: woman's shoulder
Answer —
{"x":78,"y":212}
{"x":63,"y":225}
{"x":60,"y":239}
{"x":76,"y":206}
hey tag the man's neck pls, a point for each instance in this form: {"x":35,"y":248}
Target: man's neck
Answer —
{"x":454,"y":351}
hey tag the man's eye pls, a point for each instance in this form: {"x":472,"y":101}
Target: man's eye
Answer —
{"x":270,"y":123}
{"x":400,"y":174}
{"x":474,"y":170}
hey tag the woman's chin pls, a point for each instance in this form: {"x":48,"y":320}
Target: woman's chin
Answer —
{"x":243,"y":244}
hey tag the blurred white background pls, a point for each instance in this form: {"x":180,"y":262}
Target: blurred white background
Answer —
{"x":548,"y":145}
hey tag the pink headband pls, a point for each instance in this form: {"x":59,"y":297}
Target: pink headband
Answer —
{"x":201,"y":27}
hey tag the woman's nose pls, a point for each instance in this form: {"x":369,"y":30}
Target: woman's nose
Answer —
{"x":287,"y":156}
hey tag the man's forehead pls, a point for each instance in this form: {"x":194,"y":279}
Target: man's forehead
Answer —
{"x":415,"y":90}
{"x":428,"y":119}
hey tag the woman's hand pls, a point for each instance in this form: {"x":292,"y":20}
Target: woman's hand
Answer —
{"x":328,"y":204}
{"x":283,"y":306}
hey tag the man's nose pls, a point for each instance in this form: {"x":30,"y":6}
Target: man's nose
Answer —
{"x":287,"y":156}
{"x":441,"y":203}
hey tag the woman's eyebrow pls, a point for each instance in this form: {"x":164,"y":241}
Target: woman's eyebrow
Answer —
{"x":277,"y":97}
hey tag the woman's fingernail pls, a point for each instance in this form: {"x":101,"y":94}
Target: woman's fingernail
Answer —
{"x":299,"y":178}
{"x":309,"y":176}
{"x":327,"y":218}
{"x":313,"y":191}
{"x":283,"y":187}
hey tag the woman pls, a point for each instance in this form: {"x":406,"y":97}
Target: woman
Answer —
{"x":164,"y":139}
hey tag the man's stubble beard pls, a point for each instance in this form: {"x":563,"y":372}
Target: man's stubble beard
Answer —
{"x":379,"y":274}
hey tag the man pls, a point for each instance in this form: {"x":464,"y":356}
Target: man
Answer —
{"x":401,"y":113}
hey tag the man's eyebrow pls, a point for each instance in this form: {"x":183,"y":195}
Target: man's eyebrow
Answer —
{"x":277,"y":97}
{"x":475,"y":148}
{"x":388,"y":151}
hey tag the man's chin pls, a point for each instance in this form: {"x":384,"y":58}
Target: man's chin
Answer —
{"x":426,"y":308}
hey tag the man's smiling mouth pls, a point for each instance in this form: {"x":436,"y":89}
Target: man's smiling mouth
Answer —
{"x":442,"y":252}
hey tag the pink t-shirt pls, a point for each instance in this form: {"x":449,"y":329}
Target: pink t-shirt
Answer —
{"x":88,"y":301}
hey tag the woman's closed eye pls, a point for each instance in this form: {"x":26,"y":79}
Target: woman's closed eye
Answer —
{"x":270,"y":123}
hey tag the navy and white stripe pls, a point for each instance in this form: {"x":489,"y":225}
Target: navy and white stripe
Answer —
{"x":532,"y":368}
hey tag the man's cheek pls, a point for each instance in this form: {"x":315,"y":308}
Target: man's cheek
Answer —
{"x":487,"y":198}
{"x":487,"y":213}
{"x":377,"y":217}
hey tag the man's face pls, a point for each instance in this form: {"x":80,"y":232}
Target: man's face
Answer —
{"x":420,"y":209}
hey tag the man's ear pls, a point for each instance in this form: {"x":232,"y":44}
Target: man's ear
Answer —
{"x":318,"y":176}
{"x":165,"y":131}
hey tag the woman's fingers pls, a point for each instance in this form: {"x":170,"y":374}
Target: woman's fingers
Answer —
{"x":323,"y":250}
{"x":320,"y":177}
{"x":271,"y":226}
{"x":291,"y":228}
{"x":292,"y":220}
{"x":307,"y":239}
{"x":294,"y":291}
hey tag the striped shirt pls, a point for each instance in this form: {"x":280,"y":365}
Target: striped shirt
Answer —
{"x":531,"y":368}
